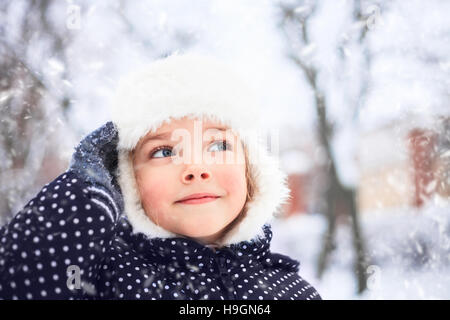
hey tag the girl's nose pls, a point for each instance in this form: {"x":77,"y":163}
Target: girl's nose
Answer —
{"x":195,"y":173}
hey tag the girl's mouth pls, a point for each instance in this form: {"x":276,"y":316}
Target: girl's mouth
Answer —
{"x":198,"y":200}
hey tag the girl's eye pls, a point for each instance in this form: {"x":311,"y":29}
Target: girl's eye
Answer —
{"x":222,"y":145}
{"x":165,"y":151}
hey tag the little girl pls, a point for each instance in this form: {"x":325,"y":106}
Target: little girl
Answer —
{"x":172,"y":199}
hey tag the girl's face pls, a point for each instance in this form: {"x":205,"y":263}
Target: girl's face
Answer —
{"x":186,"y":157}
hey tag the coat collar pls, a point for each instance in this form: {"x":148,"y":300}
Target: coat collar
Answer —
{"x":184,"y":250}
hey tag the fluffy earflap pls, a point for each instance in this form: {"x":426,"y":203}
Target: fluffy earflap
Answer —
{"x":197,"y":86}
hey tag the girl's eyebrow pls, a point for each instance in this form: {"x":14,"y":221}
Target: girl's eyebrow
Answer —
{"x":160,"y":136}
{"x":217,"y":128}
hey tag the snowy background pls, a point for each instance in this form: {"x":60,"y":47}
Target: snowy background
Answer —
{"x":377,"y":70}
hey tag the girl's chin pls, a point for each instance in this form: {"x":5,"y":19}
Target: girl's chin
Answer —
{"x":203,"y":233}
{"x":199,"y":235}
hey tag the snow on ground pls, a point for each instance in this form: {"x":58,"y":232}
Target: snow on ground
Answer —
{"x":409,"y":252}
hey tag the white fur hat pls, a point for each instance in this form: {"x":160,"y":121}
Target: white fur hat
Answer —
{"x":198,"y":86}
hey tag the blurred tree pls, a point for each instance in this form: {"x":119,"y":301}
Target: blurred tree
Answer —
{"x":37,"y":67}
{"x":296,"y":19}
{"x":442,"y":158}
{"x":29,"y":102}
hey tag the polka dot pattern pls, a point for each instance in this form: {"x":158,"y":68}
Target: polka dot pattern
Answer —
{"x":70,"y":226}
{"x":61,"y":226}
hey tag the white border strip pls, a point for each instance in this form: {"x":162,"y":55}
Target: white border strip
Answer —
{"x":101,"y":204}
{"x":102,"y":192}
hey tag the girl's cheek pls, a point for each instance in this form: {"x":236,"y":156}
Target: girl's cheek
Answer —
{"x":233,"y":179}
{"x":154,"y":188}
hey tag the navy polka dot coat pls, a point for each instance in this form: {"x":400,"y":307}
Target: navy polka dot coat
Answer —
{"x":72,"y":241}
